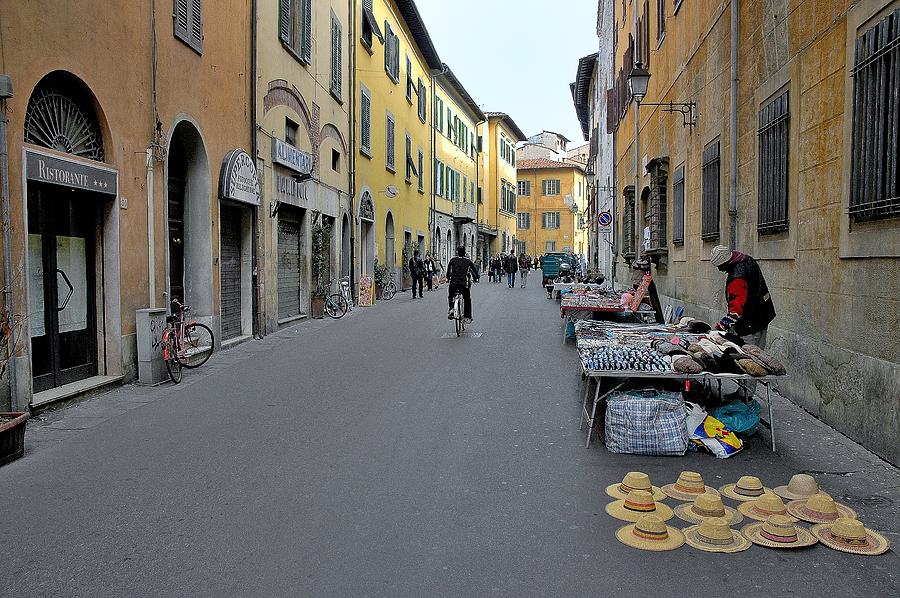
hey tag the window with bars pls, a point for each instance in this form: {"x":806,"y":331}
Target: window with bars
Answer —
{"x":710,"y":198}
{"x":678,"y":206}
{"x":295,"y":27}
{"x":365,"y":122}
{"x":659,"y":203}
{"x":188,"y":20}
{"x":550,"y":187}
{"x":550,"y":220}
{"x":875,"y":163}
{"x":390,"y":158}
{"x":628,"y":222}
{"x":772,"y":214}
{"x":523,"y":220}
{"x":524,"y":187}
{"x":337,"y":75}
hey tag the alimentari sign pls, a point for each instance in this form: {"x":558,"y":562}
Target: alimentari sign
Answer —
{"x":238,"y":179}
{"x":289,"y":156}
{"x":46,"y":168}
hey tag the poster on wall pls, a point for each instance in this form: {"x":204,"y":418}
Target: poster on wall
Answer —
{"x":366,"y":292}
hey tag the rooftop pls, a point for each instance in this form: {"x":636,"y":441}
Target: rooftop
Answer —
{"x":458,"y":88}
{"x":509,"y":123}
{"x":545,"y":163}
{"x":581,"y":91}
{"x":410,"y":14}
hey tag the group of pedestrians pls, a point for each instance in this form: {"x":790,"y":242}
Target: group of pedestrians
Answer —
{"x":422,"y":272}
{"x":509,"y":265}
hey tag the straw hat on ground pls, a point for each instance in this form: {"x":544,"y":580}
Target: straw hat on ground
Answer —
{"x":764,"y":507}
{"x":705,"y":507}
{"x":778,"y":531}
{"x":638,"y":504}
{"x":714,"y":535}
{"x":634,"y":480}
{"x":688,"y":486}
{"x":747,"y":488}
{"x":650,"y":533}
{"x":850,"y":535}
{"x":819,"y":508}
{"x":801,"y":486}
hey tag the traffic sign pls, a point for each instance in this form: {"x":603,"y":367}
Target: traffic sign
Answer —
{"x":605,"y":218}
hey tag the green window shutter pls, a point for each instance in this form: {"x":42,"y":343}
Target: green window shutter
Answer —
{"x":306,"y":52}
{"x":388,"y":46}
{"x":365,"y":122}
{"x":284,"y":20}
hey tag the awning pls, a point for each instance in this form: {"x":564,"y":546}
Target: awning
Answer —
{"x":369,"y":17}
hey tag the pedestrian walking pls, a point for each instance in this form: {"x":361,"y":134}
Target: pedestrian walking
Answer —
{"x":429,"y":271}
{"x":511,"y":265}
{"x":417,"y":273}
{"x":524,"y":267}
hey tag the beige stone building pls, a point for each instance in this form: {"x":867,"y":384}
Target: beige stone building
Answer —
{"x":803,"y":175}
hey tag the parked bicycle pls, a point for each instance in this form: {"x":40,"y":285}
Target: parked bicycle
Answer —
{"x":390,"y":288}
{"x":185,"y":344}
{"x":337,"y":304}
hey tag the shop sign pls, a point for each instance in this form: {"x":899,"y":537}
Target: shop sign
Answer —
{"x":238,"y":179}
{"x":289,"y":189}
{"x":289,"y":156}
{"x":54,"y":170}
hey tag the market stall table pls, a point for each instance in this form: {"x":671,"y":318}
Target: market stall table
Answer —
{"x":587,"y":306}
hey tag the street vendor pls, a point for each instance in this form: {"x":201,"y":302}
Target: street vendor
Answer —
{"x":750,"y":307}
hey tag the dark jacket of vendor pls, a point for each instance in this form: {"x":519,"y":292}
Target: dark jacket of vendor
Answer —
{"x":750,"y":307}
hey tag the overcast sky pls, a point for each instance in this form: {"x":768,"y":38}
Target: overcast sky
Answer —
{"x":517,"y":56}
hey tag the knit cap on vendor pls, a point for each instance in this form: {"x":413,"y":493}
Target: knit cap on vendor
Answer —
{"x":719,"y":256}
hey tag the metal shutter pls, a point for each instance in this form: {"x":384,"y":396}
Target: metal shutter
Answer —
{"x":231,"y":272}
{"x":288,"y":266}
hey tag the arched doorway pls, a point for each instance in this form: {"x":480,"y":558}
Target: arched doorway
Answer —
{"x":366,"y":234}
{"x":436,"y":252}
{"x":390,"y":257}
{"x":451,"y":251}
{"x":189,"y":217}
{"x":345,"y":246}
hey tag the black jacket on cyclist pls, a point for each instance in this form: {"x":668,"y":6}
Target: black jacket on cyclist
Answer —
{"x":458,"y":270}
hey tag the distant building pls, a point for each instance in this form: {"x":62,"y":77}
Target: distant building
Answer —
{"x":497,"y":213}
{"x":550,"y":212}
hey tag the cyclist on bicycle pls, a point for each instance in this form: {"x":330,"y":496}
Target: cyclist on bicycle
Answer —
{"x":458,"y":271}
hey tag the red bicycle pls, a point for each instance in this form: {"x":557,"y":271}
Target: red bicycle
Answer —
{"x":185,"y":344}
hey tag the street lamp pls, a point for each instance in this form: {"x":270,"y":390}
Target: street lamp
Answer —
{"x":638,"y":81}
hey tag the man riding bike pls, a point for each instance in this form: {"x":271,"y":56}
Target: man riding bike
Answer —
{"x":458,"y":271}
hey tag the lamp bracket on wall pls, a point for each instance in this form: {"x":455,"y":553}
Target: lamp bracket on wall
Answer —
{"x":688,"y":111}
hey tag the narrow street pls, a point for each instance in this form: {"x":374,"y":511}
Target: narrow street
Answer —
{"x":370,"y":456}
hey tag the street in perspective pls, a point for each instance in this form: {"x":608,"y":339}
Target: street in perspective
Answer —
{"x":408,"y":298}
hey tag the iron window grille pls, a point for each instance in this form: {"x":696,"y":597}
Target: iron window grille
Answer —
{"x":678,"y":206}
{"x":774,"y":144}
{"x":628,"y":222}
{"x":710,"y":199}
{"x":659,"y":183}
{"x":875,"y":167}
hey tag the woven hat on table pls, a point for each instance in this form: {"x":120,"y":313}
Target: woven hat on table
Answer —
{"x":850,"y":535}
{"x":778,"y":531}
{"x":714,"y":535}
{"x":748,"y":487}
{"x":707,"y":506}
{"x":801,"y":486}
{"x":688,"y":486}
{"x":634,"y":480}
{"x":638,"y":504}
{"x":650,"y":533}
{"x":819,"y":508}
{"x":764,"y":507}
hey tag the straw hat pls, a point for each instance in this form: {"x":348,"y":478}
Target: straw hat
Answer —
{"x":688,"y":486}
{"x":764,"y":507}
{"x":638,"y":503}
{"x":849,"y":535}
{"x":819,"y":508}
{"x":801,"y":486}
{"x":705,"y":507}
{"x":778,"y":531}
{"x":747,"y":488}
{"x":714,"y":535}
{"x":650,"y":533}
{"x":634,"y":480}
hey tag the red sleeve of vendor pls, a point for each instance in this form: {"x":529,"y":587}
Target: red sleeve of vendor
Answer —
{"x":736,"y":294}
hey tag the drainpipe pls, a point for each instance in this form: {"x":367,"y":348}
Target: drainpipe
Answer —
{"x":351,"y":158}
{"x":6,"y":92}
{"x":733,"y":200}
{"x":433,"y":202}
{"x":256,"y":326}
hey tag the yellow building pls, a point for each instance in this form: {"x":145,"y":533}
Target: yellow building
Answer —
{"x":551,"y":206}
{"x":456,"y":167}
{"x":498,"y":135}
{"x":303,"y":145}
{"x":394,"y":57}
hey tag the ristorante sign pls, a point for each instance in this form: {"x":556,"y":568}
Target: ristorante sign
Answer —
{"x":45,"y":168}
{"x":238,"y":180}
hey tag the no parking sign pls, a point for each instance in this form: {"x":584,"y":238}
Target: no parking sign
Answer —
{"x":604,"y":219}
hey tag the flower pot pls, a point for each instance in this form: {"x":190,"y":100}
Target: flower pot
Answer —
{"x":12,"y":436}
{"x":317,"y":307}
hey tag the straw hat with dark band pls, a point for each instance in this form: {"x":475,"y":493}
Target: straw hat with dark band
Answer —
{"x":638,"y":504}
{"x":634,"y":480}
{"x":778,"y":531}
{"x":707,"y":506}
{"x":650,"y":533}
{"x":801,"y":486}
{"x":764,"y":507}
{"x":747,"y":488}
{"x":714,"y":535}
{"x":819,"y":508}
{"x":850,"y":535}
{"x":688,"y":486}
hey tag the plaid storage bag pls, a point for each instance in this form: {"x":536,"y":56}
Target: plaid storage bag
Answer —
{"x":646,"y":422}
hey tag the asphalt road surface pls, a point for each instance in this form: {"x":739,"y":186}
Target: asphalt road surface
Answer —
{"x":378,"y":455}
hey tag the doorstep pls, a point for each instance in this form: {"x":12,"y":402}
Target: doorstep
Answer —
{"x":236,"y":341}
{"x":67,"y":391}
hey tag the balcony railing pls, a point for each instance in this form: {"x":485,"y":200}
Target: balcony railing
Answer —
{"x":464,"y":211}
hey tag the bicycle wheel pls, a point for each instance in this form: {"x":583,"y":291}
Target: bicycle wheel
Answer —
{"x":335,"y":306}
{"x":389,"y":291}
{"x":173,"y":366}
{"x":198,"y":345}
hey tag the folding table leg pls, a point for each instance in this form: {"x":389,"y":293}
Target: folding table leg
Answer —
{"x":590,"y":427}
{"x":771,"y":418}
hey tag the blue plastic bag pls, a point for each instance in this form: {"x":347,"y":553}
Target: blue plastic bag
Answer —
{"x":738,"y":416}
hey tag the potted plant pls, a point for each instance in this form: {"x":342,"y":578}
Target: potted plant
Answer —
{"x":12,"y":436}
{"x":321,"y":268}
{"x":382,"y":274}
